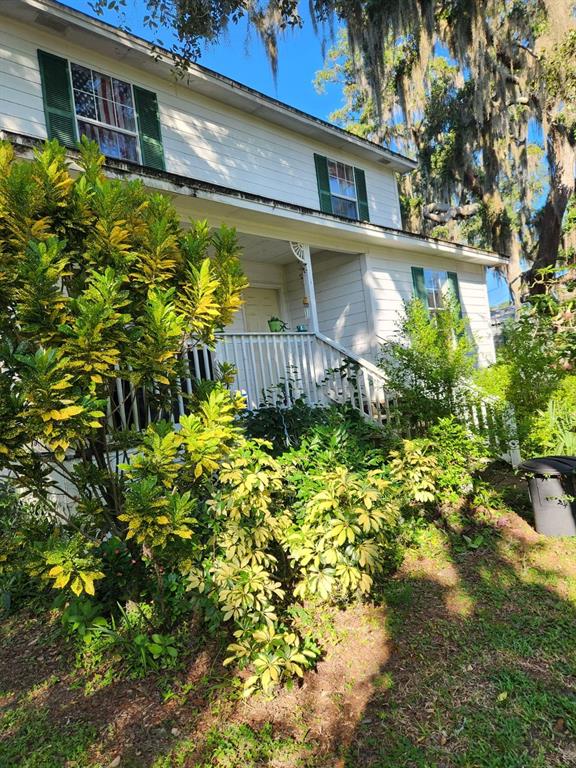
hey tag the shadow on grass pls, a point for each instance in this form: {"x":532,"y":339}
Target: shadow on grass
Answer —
{"x":49,"y":720}
{"x":482,"y":672}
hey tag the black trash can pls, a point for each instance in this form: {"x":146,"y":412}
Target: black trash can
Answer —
{"x":552,"y":486}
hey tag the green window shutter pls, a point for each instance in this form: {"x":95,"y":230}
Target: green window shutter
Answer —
{"x":419,"y":285}
{"x":57,"y":95}
{"x":453,"y":285}
{"x":323,"y":183}
{"x":149,"y":128}
{"x":361,"y":195}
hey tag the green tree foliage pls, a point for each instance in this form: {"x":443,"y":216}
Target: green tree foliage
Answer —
{"x":509,"y":67}
{"x":99,"y":282}
{"x":429,"y":363}
{"x":536,"y":364}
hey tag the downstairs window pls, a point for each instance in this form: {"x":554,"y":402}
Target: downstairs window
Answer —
{"x":431,"y":286}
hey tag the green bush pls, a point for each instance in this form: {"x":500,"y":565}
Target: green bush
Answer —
{"x":336,"y":429}
{"x":22,"y":525}
{"x":345,"y":531}
{"x":283,"y":426}
{"x":554,"y":427}
{"x":428,"y":365}
{"x":528,"y":350}
{"x":527,"y":375}
{"x":438,"y":469}
{"x":494,"y":380}
{"x":460,"y":454}
{"x":339,"y":436}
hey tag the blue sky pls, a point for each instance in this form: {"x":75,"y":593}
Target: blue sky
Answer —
{"x":241,"y":56}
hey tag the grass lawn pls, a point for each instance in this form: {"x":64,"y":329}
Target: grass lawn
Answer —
{"x":468,"y":662}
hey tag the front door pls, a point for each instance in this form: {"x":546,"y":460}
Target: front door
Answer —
{"x":260,"y":305}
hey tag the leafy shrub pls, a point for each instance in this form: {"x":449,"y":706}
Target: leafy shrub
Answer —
{"x":99,"y":280}
{"x":341,"y":436}
{"x":343,"y":534}
{"x":22,"y":525}
{"x":529,"y":353}
{"x":554,"y":427}
{"x":460,"y":453}
{"x":126,"y":635}
{"x":283,"y":426}
{"x":299,"y":425}
{"x":429,"y":363}
{"x":494,"y":380}
{"x":415,"y":471}
{"x":438,"y":469}
{"x":82,"y":618}
{"x":155,"y":651}
{"x":527,"y":376}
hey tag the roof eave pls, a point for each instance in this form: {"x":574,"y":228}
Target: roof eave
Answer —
{"x":369,"y":233}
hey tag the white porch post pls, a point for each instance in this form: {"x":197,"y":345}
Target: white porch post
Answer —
{"x":302,"y":253}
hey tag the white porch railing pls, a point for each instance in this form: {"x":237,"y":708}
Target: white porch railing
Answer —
{"x":495,"y":419}
{"x":272,"y":367}
{"x":348,"y":378}
{"x":280,"y":367}
{"x":128,"y":407}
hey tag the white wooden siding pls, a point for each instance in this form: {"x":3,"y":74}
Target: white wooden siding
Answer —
{"x":389,"y":284}
{"x":260,"y":275}
{"x":203,"y":138}
{"x":21,"y":106}
{"x":341,"y":300}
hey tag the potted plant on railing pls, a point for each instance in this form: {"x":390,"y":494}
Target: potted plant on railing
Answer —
{"x":276,"y":325}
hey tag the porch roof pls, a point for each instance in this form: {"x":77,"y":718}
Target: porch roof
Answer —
{"x":264,"y":215}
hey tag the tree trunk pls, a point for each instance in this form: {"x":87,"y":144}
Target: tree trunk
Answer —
{"x":514,"y":271}
{"x":561,"y":159}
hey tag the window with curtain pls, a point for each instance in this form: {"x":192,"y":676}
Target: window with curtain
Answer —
{"x":105,"y":113}
{"x":342,"y":189}
{"x":122,"y":118}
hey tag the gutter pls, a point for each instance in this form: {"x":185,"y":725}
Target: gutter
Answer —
{"x":187,"y":186}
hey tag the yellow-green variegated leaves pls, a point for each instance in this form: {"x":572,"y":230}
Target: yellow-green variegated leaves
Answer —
{"x":335,"y":543}
{"x":99,"y":280}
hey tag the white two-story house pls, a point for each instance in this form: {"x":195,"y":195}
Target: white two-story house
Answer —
{"x":316,"y":208}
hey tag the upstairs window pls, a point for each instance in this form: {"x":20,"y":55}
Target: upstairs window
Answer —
{"x":105,"y":112}
{"x":121,"y":118}
{"x":341,"y":189}
{"x":431,"y":286}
